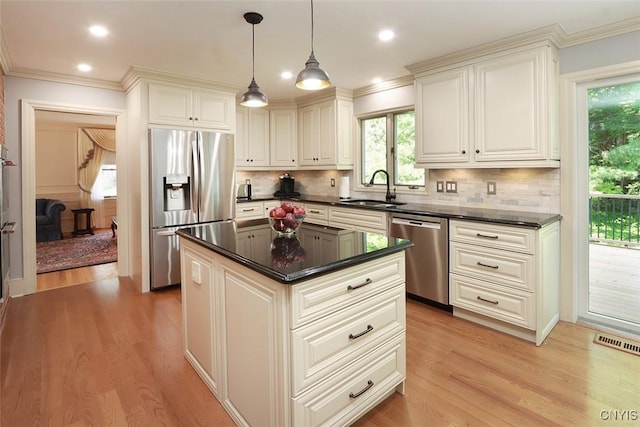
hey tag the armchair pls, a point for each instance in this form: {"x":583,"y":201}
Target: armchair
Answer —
{"x":48,"y":225}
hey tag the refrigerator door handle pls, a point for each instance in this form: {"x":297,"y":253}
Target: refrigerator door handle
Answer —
{"x":166,"y":233}
{"x":195,"y":173}
{"x":200,"y":145}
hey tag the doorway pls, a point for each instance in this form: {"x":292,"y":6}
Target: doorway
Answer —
{"x":28,"y":129}
{"x":610,"y":140}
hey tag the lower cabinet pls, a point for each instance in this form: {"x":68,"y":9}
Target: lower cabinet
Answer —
{"x":506,"y":277}
{"x":322,"y":352}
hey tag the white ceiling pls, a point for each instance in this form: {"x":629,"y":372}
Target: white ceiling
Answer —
{"x":210,"y":39}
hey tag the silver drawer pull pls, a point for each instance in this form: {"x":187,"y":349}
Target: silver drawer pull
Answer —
{"x":248,"y":210}
{"x":488,"y":300}
{"x":495,"y":267}
{"x":358,"y":335}
{"x":314,"y":211}
{"x":367,"y":387}
{"x":366,"y":282}
{"x":484,"y":236}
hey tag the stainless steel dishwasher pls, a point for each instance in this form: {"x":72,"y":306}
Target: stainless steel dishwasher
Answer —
{"x":427,"y":262}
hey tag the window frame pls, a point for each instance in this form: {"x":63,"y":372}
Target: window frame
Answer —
{"x":110,"y":167}
{"x":390,"y":158}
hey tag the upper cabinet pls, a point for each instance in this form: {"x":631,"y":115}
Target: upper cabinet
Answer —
{"x":498,"y":110}
{"x":187,"y":106}
{"x":325,"y":133}
{"x":252,"y":137}
{"x":266,"y":138}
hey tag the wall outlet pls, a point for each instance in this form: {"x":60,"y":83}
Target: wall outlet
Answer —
{"x":452,"y":186}
{"x":440,"y":186}
{"x":195,"y":272}
{"x":491,"y":187}
{"x":333,"y":182}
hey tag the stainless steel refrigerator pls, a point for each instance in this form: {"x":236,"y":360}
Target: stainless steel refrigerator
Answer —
{"x":192,"y":180}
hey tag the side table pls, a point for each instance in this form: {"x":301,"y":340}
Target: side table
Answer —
{"x":77,"y":216}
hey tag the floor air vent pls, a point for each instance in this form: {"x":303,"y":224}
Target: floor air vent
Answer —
{"x":618,"y":343}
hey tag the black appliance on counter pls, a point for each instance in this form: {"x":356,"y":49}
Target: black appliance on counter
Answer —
{"x":287,"y":184}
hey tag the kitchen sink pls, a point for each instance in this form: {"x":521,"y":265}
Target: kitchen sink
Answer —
{"x":372,"y":203}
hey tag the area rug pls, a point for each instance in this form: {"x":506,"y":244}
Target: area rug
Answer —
{"x":75,"y":252}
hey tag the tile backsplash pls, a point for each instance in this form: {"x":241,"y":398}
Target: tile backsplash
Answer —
{"x":532,"y":189}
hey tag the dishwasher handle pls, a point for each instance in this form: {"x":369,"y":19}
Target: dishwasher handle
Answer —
{"x":416,"y":223}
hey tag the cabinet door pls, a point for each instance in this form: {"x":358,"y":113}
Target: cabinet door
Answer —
{"x":242,"y":137}
{"x":307,"y":139}
{"x":213,"y":110}
{"x":198,"y":315}
{"x":283,"y":138}
{"x":170,"y":105}
{"x":509,"y":97}
{"x":442,"y":117}
{"x":259,"y":137}
{"x":326,"y":141}
{"x":253,"y":349}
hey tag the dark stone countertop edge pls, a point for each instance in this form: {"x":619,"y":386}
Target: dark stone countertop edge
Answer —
{"x":496,"y":216}
{"x":297,"y":276}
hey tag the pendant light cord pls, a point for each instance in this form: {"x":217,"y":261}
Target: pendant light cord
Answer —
{"x":311,"y":27}
{"x":253,"y":51}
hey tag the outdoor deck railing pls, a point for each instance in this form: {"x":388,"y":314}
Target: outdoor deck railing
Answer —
{"x":615,"y":218}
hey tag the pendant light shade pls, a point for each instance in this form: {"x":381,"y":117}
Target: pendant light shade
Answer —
{"x":312,"y":77}
{"x":253,"y":97}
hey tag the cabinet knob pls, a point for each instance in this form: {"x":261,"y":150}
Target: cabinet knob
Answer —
{"x":464,"y":151}
{"x":190,"y":118}
{"x":247,"y":160}
{"x":477,"y":151}
{"x":293,"y":160}
{"x":196,"y":119}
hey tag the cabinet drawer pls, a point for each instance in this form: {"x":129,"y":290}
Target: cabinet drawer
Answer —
{"x":323,"y":347}
{"x":331,"y":292}
{"x":494,"y":236}
{"x":358,"y":219}
{"x":508,"y":305}
{"x":511,"y":269}
{"x":317,"y":214}
{"x":250,"y":210}
{"x":347,"y":396}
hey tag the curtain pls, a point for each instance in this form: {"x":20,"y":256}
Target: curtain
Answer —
{"x":93,"y":145}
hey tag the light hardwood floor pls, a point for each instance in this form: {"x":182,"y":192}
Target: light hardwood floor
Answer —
{"x":103,"y":354}
{"x":75,"y":276}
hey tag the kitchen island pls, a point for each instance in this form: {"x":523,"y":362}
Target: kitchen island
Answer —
{"x":299,"y":331}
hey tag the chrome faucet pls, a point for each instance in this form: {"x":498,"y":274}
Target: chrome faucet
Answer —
{"x":388,"y":196}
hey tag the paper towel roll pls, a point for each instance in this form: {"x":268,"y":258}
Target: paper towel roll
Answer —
{"x":344,"y":187}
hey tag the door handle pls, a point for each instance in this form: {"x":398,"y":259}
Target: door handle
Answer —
{"x":166,"y":233}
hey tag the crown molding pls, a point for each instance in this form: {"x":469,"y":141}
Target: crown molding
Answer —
{"x":551,"y":34}
{"x":325,"y":95}
{"x":135,"y":74}
{"x":5,"y":57}
{"x":605,"y":31}
{"x":64,"y":78}
{"x":385,"y":85}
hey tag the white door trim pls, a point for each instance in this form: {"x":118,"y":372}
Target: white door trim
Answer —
{"x":574,"y":181}
{"x":28,"y":160}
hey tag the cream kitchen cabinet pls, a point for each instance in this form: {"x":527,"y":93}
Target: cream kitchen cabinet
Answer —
{"x":283,"y":138}
{"x":254,"y":242}
{"x":506,"y":277}
{"x":317,"y":213}
{"x":370,"y":220}
{"x":322,"y":351}
{"x":187,"y":106}
{"x":325,"y":135}
{"x":201,"y":339}
{"x":250,"y":210}
{"x":252,"y":138}
{"x":498,"y":110}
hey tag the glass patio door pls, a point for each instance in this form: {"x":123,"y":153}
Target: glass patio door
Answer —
{"x":611,"y":134}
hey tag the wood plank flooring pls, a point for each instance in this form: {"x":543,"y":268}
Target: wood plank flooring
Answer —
{"x":104,"y":354}
{"x":75,"y":276}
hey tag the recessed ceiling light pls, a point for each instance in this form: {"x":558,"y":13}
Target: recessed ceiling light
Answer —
{"x":385,"y":35}
{"x":376,"y":80}
{"x":84,"y":68}
{"x":98,"y":30}
{"x":286,"y":75}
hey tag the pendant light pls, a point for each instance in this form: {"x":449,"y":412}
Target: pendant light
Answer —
{"x":312,"y":77}
{"x":254,"y":97}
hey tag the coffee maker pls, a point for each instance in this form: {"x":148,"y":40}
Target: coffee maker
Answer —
{"x":287,"y":184}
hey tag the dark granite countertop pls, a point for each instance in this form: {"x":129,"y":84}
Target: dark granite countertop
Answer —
{"x":498,"y":216}
{"x":290,"y":260}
